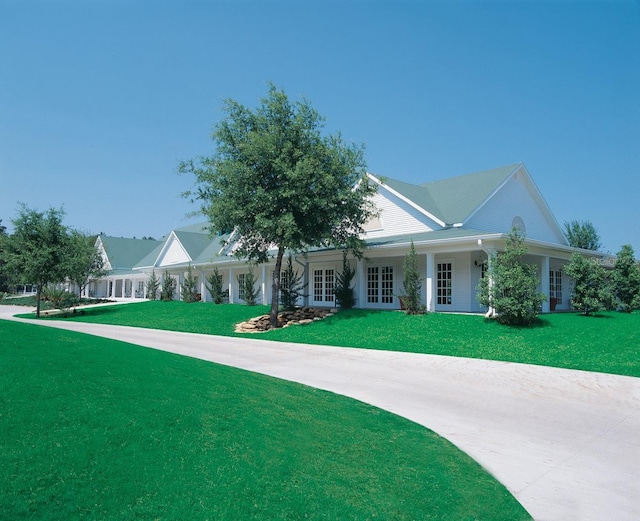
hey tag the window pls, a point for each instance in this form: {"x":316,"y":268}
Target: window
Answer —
{"x":241,"y":286}
{"x":323,"y":285}
{"x":518,"y":223}
{"x":445,"y":280}
{"x":380,"y":284}
{"x":555,"y":285}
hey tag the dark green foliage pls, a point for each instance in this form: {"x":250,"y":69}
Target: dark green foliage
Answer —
{"x":626,"y":279}
{"x":292,"y":287}
{"x":168,"y":286}
{"x":189,"y":286}
{"x":345,"y":297}
{"x":250,"y":291}
{"x":412,"y":283}
{"x":590,"y":288}
{"x":152,"y":286}
{"x":582,"y":234}
{"x":214,"y":285}
{"x":510,"y":287}
{"x":277,"y":181}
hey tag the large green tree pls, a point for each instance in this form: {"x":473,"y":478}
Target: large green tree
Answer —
{"x":4,"y":276}
{"x":36,"y":250}
{"x":582,"y":234}
{"x":626,"y":279}
{"x":280,"y":184}
{"x":510,"y":286}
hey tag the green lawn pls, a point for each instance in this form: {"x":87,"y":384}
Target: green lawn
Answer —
{"x":96,"y":429}
{"x":608,"y":342}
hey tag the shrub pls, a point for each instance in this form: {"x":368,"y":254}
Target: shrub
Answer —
{"x":59,"y":298}
{"x":590,"y":287}
{"x":345,"y":298}
{"x":214,"y":286}
{"x":168,"y":286}
{"x":411,"y":283}
{"x":189,"y":287}
{"x":626,"y":279}
{"x":291,"y":286}
{"x":152,"y":286}
{"x":250,"y":291}
{"x":510,"y":287}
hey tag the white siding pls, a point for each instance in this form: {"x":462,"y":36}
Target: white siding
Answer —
{"x":398,"y":217}
{"x":514,"y":199}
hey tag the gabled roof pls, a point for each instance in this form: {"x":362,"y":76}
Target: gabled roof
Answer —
{"x":196,"y":242}
{"x":453,"y":200}
{"x":123,"y":254}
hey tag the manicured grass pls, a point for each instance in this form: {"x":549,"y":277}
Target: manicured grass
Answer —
{"x":608,"y":342}
{"x":96,"y":429}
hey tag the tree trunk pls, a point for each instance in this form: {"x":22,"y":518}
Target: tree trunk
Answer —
{"x":275,"y":289}
{"x":38,"y":293}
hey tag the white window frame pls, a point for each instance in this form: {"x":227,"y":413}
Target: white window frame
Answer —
{"x":323,"y":284}
{"x":444,"y":297}
{"x":380,"y":285}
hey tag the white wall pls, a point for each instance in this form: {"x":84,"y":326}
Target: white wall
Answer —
{"x":514,"y":199}
{"x":398,"y":218}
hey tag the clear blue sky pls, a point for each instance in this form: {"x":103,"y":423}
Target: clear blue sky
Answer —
{"x":100,"y":100}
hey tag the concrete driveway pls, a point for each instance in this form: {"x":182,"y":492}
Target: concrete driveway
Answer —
{"x":565,"y":443}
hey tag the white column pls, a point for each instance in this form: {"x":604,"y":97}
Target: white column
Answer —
{"x":491,"y":256}
{"x":544,"y":283}
{"x":231,"y":285}
{"x":429,"y":283}
{"x":361,"y":277}
{"x":203,"y":287}
{"x":263,"y":275}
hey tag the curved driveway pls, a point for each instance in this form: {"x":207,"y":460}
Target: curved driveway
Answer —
{"x":565,"y":443}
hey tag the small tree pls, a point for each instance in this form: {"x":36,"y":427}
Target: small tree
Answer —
{"x":189,"y":287}
{"x":36,"y":252}
{"x":626,"y":279}
{"x":510,"y":286}
{"x":292,"y":287}
{"x":84,"y":261}
{"x":582,"y":234}
{"x":152,"y":286}
{"x":214,"y":285}
{"x":590,"y":286}
{"x":250,"y":291}
{"x":168,"y":286}
{"x":411,"y":283}
{"x":343,"y":291}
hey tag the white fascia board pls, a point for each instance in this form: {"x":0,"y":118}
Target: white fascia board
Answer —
{"x":408,"y":201}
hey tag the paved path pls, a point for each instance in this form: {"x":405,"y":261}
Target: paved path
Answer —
{"x":565,"y":443}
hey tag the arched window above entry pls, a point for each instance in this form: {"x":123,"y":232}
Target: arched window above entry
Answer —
{"x":518,"y":223}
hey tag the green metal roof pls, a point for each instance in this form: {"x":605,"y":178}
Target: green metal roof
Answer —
{"x":453,"y":200}
{"x":124,"y":254}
